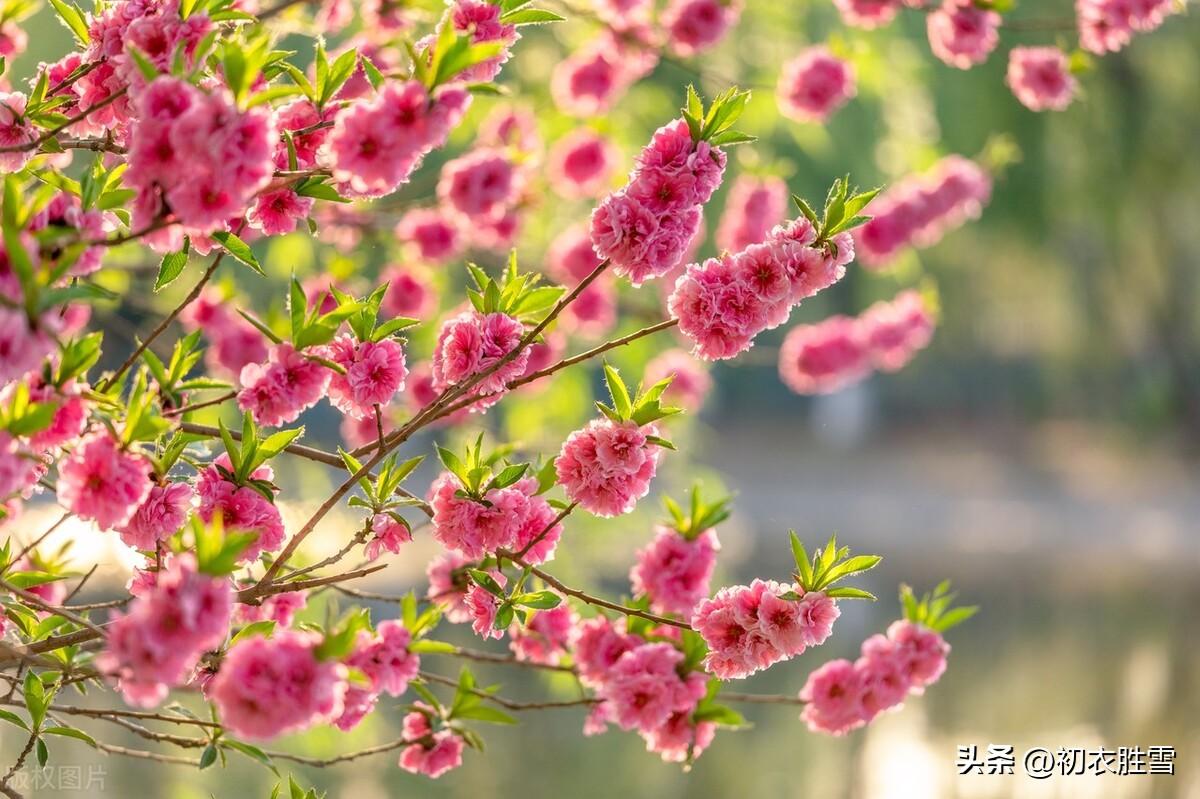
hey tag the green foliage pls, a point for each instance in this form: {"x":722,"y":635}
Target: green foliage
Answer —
{"x":480,"y":472}
{"x":700,"y":515}
{"x":935,"y":610}
{"x":641,"y":407}
{"x":516,"y":294}
{"x":716,"y":124}
{"x":829,"y":566}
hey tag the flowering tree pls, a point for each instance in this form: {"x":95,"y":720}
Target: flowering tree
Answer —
{"x":182,"y":129}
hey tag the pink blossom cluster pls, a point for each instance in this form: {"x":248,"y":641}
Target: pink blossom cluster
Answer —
{"x":693,"y":26}
{"x":754,"y":206}
{"x":433,"y":233}
{"x":581,"y":164}
{"x":377,"y":143}
{"x":387,"y":534}
{"x":279,"y":608}
{"x":815,"y":84}
{"x":242,"y":507}
{"x":607,"y":466}
{"x":195,"y":156}
{"x":673,"y":572}
{"x":375,"y":372}
{"x":642,"y":689}
{"x":589,"y":81}
{"x":1040,"y":77}
{"x":507,"y":518}
{"x":481,"y":19}
{"x":1106,"y":26}
{"x":70,"y":414}
{"x":842,"y":696}
{"x":828,"y":356}
{"x":266,"y":687}
{"x":962,"y":34}
{"x":483,"y":606}
{"x":868,"y":13}
{"x":159,"y":642}
{"x":645,"y":229}
{"x":546,"y":638}
{"x":278,"y":391}
{"x":481,"y":350}
{"x":448,"y":585}
{"x":570,"y":259}
{"x":233,"y":341}
{"x":919,"y":210}
{"x":383,"y":658}
{"x":751,"y":627}
{"x":725,"y":302}
{"x":20,"y":470}
{"x":66,"y":211}
{"x":410,"y":291}
{"x":160,"y":515}
{"x":480,"y":190}
{"x":102,"y":481}
{"x":430,"y":753}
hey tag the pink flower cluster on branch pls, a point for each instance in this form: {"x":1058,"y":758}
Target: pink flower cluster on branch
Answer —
{"x":919,"y":210}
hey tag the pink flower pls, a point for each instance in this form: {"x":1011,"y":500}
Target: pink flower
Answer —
{"x":159,"y":642}
{"x":696,"y":25}
{"x":679,"y":739}
{"x":607,"y":467}
{"x":279,"y":608}
{"x":1040,"y":77}
{"x":473,"y":343}
{"x":590,"y":80}
{"x":474,"y":528}
{"x":834,"y":694}
{"x":431,"y":754}
{"x":674,"y":571}
{"x":160,"y":516}
{"x":70,"y":415}
{"x":922,"y":653}
{"x":22,"y":348}
{"x":376,"y":144}
{"x":356,"y":704}
{"x":867,"y":13}
{"x":815,"y":84}
{"x":919,"y":210}
{"x":885,"y":683}
{"x":483,"y":605}
{"x":895,"y":331}
{"x":278,"y":391}
{"x":448,"y":584}
{"x":545,"y":638}
{"x":385,"y":658}
{"x":277,"y":212}
{"x":482,"y":20}
{"x":581,"y":164}
{"x":387,"y":534}
{"x":480,"y":184}
{"x":962,"y":34}
{"x":644,"y":687}
{"x":99,"y":481}
{"x":434,"y":235}
{"x":268,"y":687}
{"x":598,"y":643}
{"x":755,"y":205}
{"x":409,"y":293}
{"x":242,"y":508}
{"x":510,"y":126}
{"x":825,"y":357}
{"x":19,"y":469}
{"x":15,"y":131}
{"x":375,"y":371}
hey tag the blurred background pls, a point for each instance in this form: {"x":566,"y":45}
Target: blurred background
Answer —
{"x":1042,"y":453}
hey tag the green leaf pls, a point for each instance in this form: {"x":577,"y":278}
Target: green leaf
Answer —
{"x":208,"y":756}
{"x":954,"y":617}
{"x":43,"y":753}
{"x":486,"y":582}
{"x":619,"y":393}
{"x":542,"y":600}
{"x":427,"y":646}
{"x":36,"y":700}
{"x":263,"y":629}
{"x":13,"y":718}
{"x":71,"y":732}
{"x":803,"y":564}
{"x":846,"y":592}
{"x":238,"y":249}
{"x":171,"y":268}
{"x":73,"y":18}
{"x":530,"y":16}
